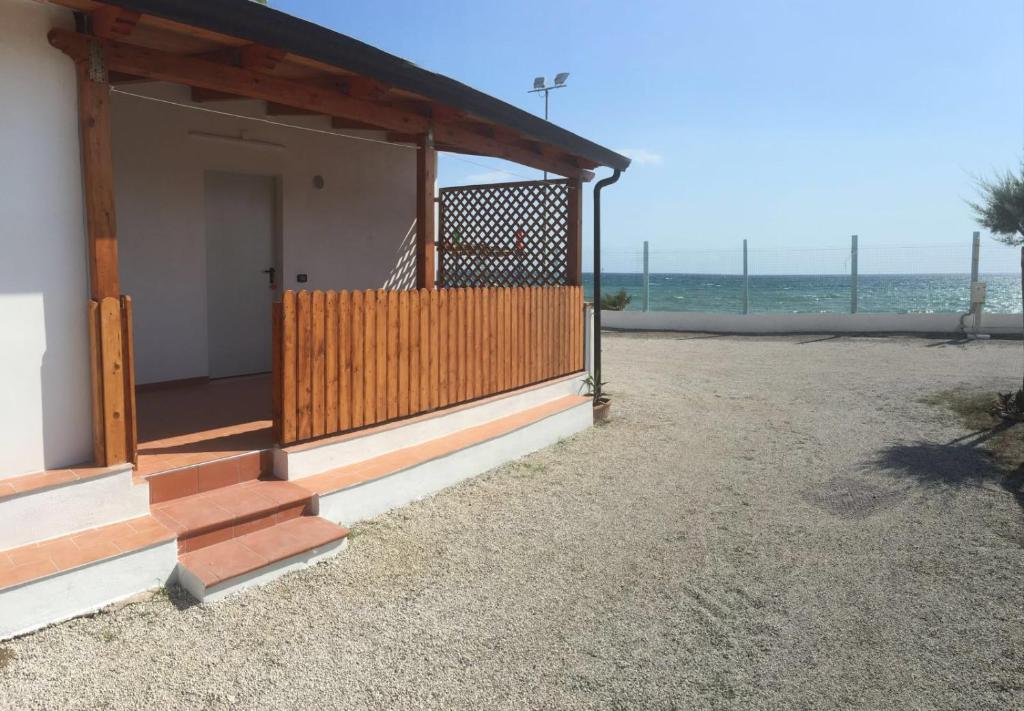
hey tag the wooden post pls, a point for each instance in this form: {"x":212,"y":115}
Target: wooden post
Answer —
{"x":114,"y":438}
{"x":98,"y":173}
{"x":426,"y":176}
{"x":574,"y":238}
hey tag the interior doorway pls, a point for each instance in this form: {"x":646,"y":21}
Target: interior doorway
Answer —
{"x":240,"y":214}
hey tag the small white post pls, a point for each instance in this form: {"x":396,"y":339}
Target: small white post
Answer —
{"x":853,"y":274}
{"x":746,"y":281}
{"x":647,"y":279}
{"x":976,"y":307}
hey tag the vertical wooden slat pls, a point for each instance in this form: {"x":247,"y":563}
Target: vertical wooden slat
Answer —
{"x":443,"y":396}
{"x":435,"y":349}
{"x":478,"y":343}
{"x":128,"y":344}
{"x":370,"y":414}
{"x":566,"y":328}
{"x":382,"y":355}
{"x":276,"y":374}
{"x":453,"y":346}
{"x":470,"y":327}
{"x":516,"y":339}
{"x":319,"y":369}
{"x":357,"y":339}
{"x":304,"y":364}
{"x":485,"y":341}
{"x":414,"y":351}
{"x":99,"y":451}
{"x":581,"y":328}
{"x":499,"y":361}
{"x":289,"y":377}
{"x":458,"y":328}
{"x":112,"y":371}
{"x":344,"y":361}
{"x":493,"y":385}
{"x":331,"y":362}
{"x":393,"y":373}
{"x":424,"y":350}
{"x":403,"y":353}
{"x":535,"y":326}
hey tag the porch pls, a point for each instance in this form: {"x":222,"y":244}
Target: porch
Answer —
{"x":289,"y":328}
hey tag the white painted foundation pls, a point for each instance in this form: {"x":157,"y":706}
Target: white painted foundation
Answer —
{"x":200,"y":592}
{"x":948,"y":324}
{"x":372,"y":498}
{"x":56,"y":598}
{"x":60,"y":510}
{"x":307,"y":460}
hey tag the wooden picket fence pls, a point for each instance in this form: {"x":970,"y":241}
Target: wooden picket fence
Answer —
{"x":344,"y":360}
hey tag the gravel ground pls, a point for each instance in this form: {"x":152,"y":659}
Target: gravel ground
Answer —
{"x":766,"y":523}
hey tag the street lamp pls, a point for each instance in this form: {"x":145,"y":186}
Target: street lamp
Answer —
{"x":540,"y":84}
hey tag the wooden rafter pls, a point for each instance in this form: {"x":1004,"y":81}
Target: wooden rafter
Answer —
{"x":227,"y":79}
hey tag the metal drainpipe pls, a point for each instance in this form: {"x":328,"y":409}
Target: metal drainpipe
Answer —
{"x":613,"y":178}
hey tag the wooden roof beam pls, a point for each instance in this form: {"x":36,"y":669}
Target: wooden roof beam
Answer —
{"x":226,"y":79}
{"x":113,"y":22}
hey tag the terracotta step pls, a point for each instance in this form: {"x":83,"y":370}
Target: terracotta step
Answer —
{"x":254,"y":558}
{"x":229,"y":512}
{"x":58,"y":555}
{"x":206,"y":476}
{"x":352,"y":475}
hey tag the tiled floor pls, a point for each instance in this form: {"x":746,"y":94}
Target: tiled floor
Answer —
{"x":186,"y":424}
{"x":36,"y":560}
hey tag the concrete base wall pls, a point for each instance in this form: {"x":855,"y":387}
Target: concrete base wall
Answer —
{"x":307,"y":460}
{"x":76,"y":592}
{"x":61,"y":510}
{"x":993,"y":324}
{"x":373,"y":498}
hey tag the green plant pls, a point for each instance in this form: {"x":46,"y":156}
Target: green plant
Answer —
{"x":616,"y":302}
{"x":591,"y":385}
{"x":1001,"y":212}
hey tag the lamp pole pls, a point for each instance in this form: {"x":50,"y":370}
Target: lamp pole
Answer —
{"x":540,"y":84}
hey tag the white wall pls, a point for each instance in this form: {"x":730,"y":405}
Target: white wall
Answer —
{"x":993,"y":324}
{"x":355,"y":233}
{"x":44,"y":394}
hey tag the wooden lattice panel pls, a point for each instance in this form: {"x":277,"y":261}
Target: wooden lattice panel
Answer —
{"x":507,"y":234}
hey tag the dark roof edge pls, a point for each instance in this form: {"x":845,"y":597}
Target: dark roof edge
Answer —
{"x":266,"y":26}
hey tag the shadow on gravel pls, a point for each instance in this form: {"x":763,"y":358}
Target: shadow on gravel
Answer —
{"x":962,"y":462}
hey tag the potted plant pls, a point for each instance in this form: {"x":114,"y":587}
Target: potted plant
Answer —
{"x":602,"y":403}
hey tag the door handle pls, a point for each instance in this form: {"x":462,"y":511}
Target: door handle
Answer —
{"x":271,"y":272}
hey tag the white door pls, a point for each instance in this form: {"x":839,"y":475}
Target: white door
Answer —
{"x":239,"y":250}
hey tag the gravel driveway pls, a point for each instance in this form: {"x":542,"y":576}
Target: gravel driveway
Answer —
{"x":767,"y":523}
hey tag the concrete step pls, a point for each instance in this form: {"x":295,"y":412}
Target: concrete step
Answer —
{"x":201,"y":477}
{"x":74,"y":574}
{"x":221,"y":569}
{"x":218,"y":515}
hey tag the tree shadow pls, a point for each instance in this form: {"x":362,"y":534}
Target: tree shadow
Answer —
{"x":960,"y":463}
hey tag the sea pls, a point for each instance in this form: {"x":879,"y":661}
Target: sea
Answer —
{"x":803,"y":293}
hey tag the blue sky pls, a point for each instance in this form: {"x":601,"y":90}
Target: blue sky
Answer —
{"x":793,"y":124}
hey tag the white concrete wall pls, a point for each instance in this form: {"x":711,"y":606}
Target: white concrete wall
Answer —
{"x":994,"y":324}
{"x":355,"y":233}
{"x":44,"y":357}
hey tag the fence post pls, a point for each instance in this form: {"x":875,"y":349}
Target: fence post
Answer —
{"x":647,"y":280}
{"x":746,"y":281}
{"x":975,"y":259}
{"x":853,"y":274}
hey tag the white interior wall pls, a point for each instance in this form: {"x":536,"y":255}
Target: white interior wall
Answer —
{"x":44,"y":397}
{"x":355,"y":233}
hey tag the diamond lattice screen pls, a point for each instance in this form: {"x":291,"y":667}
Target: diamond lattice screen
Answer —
{"x":509,"y":234}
